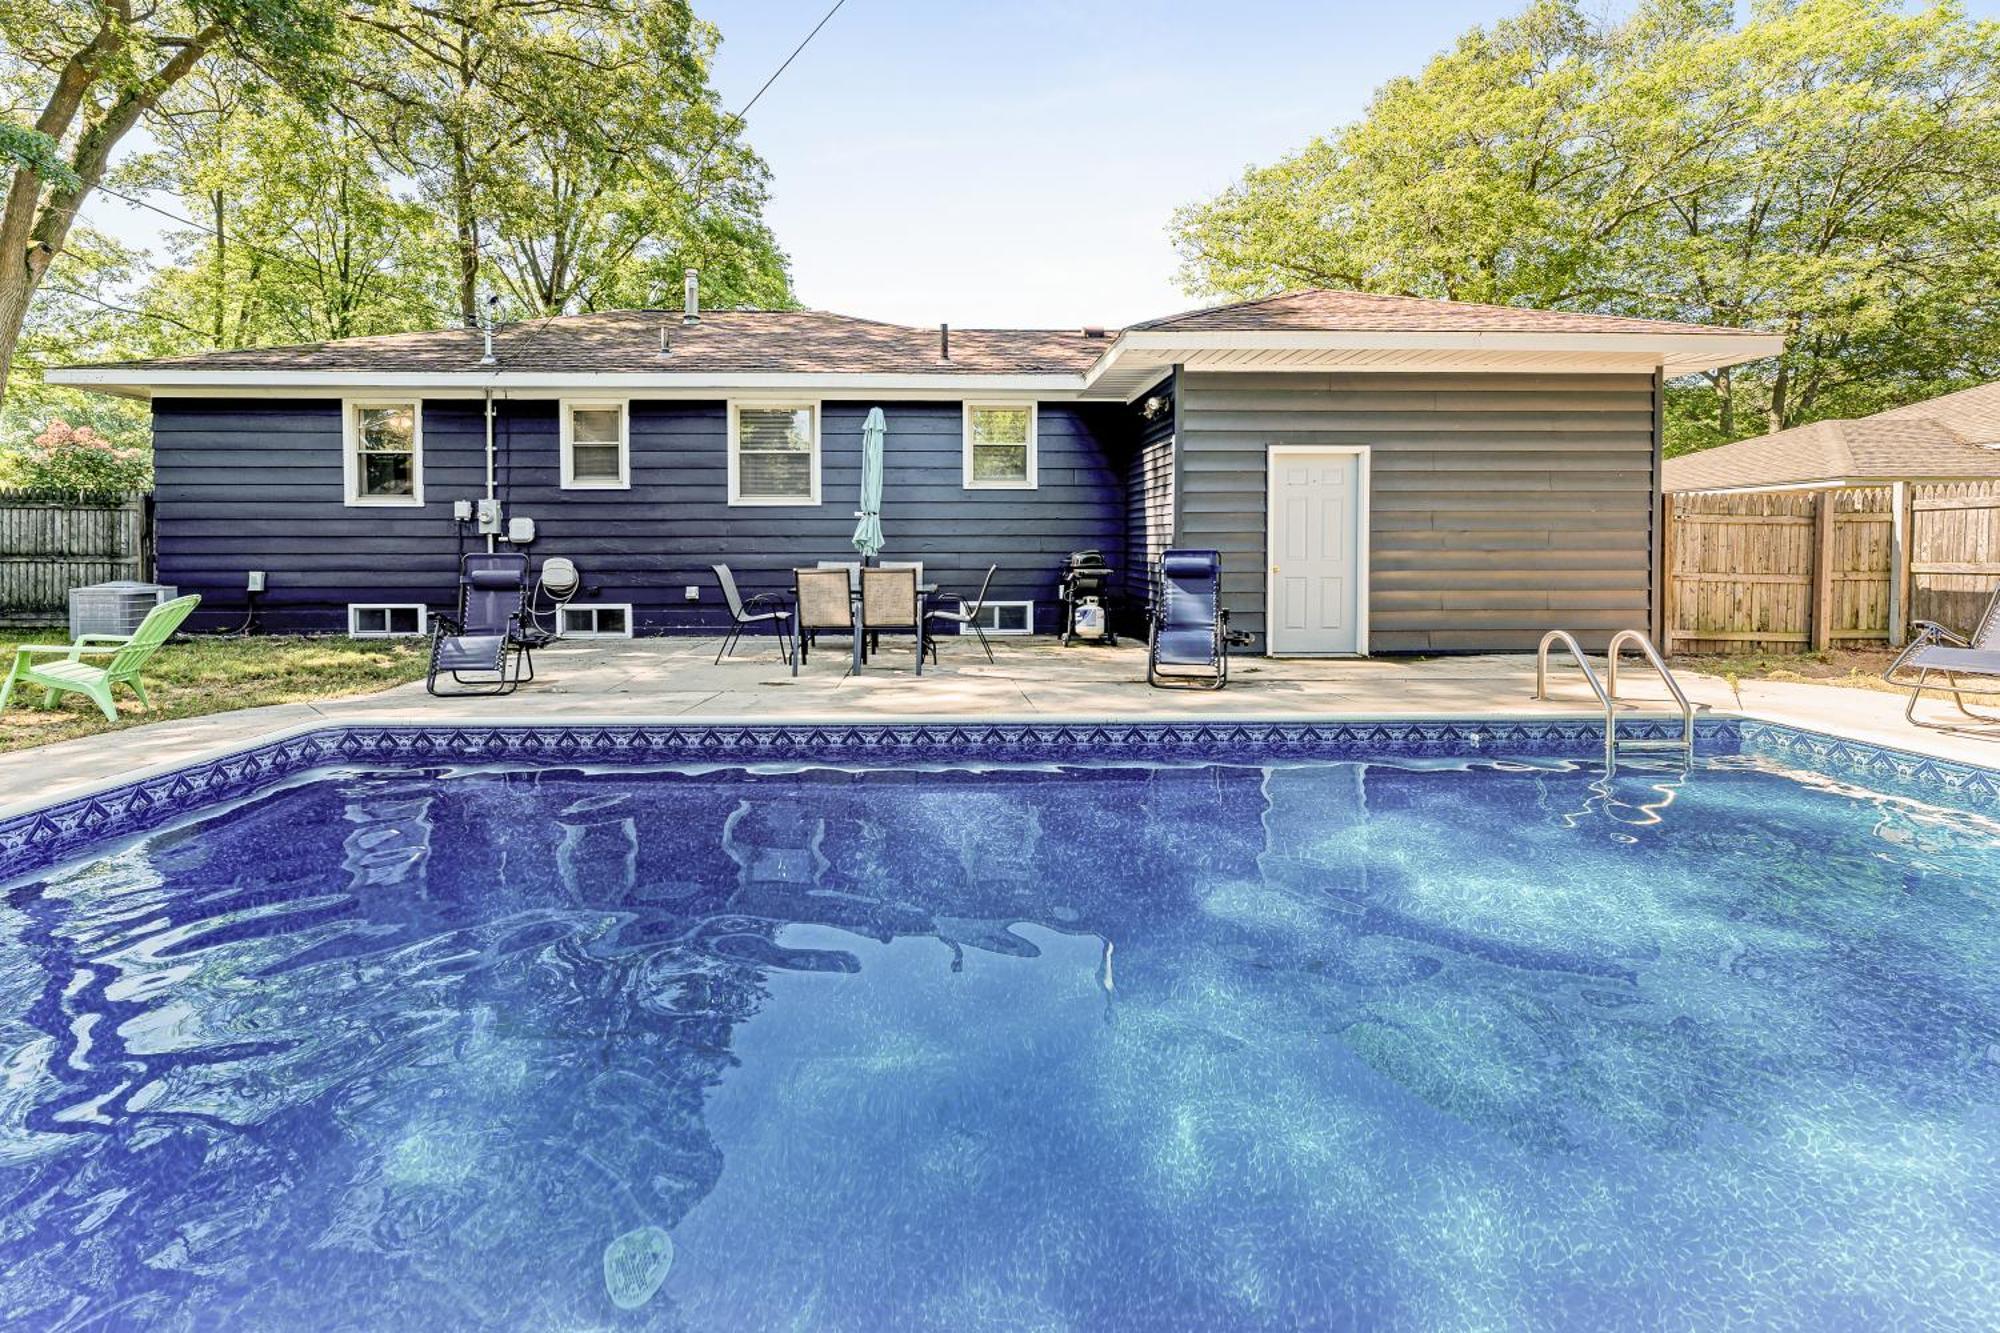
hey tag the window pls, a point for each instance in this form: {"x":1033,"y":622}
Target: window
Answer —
{"x":1007,"y":618}
{"x":388,"y":620}
{"x":595,"y":452}
{"x":605,"y":620}
{"x":773,"y":454}
{"x":384,"y":453}
{"x":1000,"y":446}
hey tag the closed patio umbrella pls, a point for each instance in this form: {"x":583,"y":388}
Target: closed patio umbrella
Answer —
{"x":868,"y":532}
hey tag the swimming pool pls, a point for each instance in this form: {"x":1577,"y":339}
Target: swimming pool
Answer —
{"x":1394,"y":1027}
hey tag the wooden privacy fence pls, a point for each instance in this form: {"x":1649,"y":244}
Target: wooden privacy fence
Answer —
{"x":50,"y":544}
{"x":1795,"y":570}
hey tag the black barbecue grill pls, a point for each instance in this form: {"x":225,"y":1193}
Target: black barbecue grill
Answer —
{"x":1085,"y":588}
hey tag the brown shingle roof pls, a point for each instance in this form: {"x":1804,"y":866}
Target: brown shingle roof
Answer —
{"x":1971,"y":414}
{"x":723,"y":342}
{"x":1943,"y":437}
{"x":1324,"y":309}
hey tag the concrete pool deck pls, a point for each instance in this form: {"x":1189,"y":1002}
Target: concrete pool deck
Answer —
{"x":676,"y":679}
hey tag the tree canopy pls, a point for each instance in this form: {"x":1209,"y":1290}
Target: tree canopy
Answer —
{"x":1825,"y":169}
{"x":330,"y":168}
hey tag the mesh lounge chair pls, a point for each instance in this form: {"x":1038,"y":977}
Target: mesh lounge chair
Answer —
{"x":1188,"y":643}
{"x":764,"y":608}
{"x":824,"y":599}
{"x":73,"y":675}
{"x":487,"y":636}
{"x":966,"y":614}
{"x":890,"y":600}
{"x":1937,"y":649}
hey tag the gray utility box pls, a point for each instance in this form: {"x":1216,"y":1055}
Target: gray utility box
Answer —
{"x":114,"y":608}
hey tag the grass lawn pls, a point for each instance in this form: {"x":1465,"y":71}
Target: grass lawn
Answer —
{"x":201,"y":674}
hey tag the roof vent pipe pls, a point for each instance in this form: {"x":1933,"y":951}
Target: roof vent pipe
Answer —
{"x":691,"y":297}
{"x":486,"y":328}
{"x":944,"y":342}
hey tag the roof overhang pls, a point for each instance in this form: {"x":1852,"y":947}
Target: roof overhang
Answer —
{"x":1138,"y":357}
{"x":1134,"y":362}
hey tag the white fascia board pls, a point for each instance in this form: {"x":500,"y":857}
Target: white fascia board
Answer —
{"x":1683,"y":353}
{"x":452,"y":383}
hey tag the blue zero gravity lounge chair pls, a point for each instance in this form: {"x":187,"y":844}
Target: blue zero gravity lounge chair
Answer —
{"x":1189,"y":639}
{"x":487,"y":636}
{"x":1937,"y":649}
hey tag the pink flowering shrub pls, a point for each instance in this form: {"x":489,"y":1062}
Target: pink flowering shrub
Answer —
{"x":76,"y":458}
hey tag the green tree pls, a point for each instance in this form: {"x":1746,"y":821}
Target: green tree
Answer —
{"x":79,"y":75}
{"x":632,"y":174}
{"x":1830,"y":170}
{"x":301,"y":236}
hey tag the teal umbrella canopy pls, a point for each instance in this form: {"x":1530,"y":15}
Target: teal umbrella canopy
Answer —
{"x":868,"y":531}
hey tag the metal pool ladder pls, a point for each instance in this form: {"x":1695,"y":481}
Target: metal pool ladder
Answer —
{"x":1608,"y":697}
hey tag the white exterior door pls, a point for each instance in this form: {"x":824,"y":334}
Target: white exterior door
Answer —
{"x":1318,"y":547}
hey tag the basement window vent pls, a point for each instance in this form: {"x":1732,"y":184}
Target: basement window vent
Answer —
{"x":604,"y":620}
{"x":1007,"y":617}
{"x":386,"y":620}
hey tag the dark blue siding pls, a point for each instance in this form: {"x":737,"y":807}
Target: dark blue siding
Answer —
{"x":256,"y":484}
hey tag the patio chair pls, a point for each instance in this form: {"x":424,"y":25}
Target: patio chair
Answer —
{"x":1938,"y":649}
{"x":489,"y":635}
{"x":966,"y":615}
{"x":73,"y":675}
{"x":823,"y":599}
{"x":1188,"y":640}
{"x":764,"y":608}
{"x":890,"y":600}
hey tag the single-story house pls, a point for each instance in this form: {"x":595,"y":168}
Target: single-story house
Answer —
{"x":1381,"y":474}
{"x":1953,"y":437}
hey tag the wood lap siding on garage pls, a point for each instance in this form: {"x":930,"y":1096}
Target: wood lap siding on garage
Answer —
{"x":256,"y":484}
{"x":1501,"y":505}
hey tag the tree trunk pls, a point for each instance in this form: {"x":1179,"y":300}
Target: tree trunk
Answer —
{"x":221,"y":270}
{"x":47,"y":222}
{"x":1725,"y":406}
{"x":1780,"y":389}
{"x":465,"y":219}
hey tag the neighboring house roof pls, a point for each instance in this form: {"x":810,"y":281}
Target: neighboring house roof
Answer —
{"x":820,"y":352}
{"x":1317,"y":308}
{"x":1971,"y":414}
{"x":1957,"y":435}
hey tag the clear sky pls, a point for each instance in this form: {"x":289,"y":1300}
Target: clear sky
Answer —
{"x":1016,"y":163}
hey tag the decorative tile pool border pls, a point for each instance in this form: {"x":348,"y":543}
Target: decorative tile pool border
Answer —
{"x":38,"y":839}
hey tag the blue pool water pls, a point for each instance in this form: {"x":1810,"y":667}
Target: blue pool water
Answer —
{"x":1434,"y":1045}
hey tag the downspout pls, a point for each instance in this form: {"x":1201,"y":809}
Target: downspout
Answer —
{"x":492,"y":494}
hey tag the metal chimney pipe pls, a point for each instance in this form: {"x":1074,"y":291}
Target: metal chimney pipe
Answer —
{"x":944,"y":342}
{"x":691,"y":298}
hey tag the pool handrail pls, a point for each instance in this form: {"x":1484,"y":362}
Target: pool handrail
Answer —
{"x":1568,"y":640}
{"x":1637,"y":639}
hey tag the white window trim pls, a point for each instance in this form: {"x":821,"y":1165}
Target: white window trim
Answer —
{"x":563,"y":631}
{"x":564,"y":407}
{"x":354,"y":631}
{"x":1008,"y":633}
{"x":736,"y":405}
{"x":1034,"y":449}
{"x":350,"y":454}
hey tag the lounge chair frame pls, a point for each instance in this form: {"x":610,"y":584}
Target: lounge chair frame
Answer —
{"x":512,"y":658}
{"x":1937,"y":649}
{"x":1213,"y":673}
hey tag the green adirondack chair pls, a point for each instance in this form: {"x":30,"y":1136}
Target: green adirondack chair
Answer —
{"x":73,"y":675}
